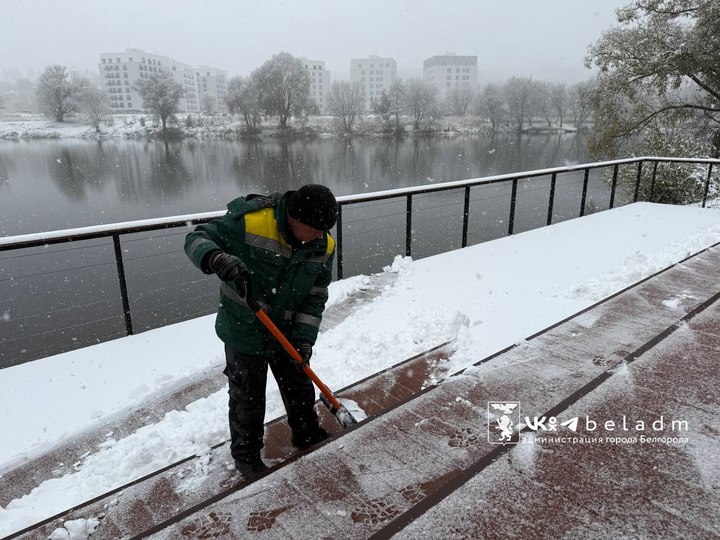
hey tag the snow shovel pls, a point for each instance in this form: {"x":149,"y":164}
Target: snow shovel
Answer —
{"x":341,"y":413}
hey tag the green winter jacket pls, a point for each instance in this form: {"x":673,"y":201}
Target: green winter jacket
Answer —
{"x":291,"y":283}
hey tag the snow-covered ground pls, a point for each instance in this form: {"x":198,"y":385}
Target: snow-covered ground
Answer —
{"x":486,"y":297}
{"x":128,"y":126}
{"x":14,"y":126}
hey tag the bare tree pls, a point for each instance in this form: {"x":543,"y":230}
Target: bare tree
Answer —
{"x":579,"y":103}
{"x":161,"y":94}
{"x":538,"y":98}
{"x":209,"y":104}
{"x":420,"y":101}
{"x":382,"y":109}
{"x":55,"y":92}
{"x":92,"y":101}
{"x":560,"y":100}
{"x":518,"y":95}
{"x":491,"y":104}
{"x":389,"y":107}
{"x":459,"y":99}
{"x":284,"y":87}
{"x":541,"y":92}
{"x":397,"y":102}
{"x":346,"y":102}
{"x":243,"y":97}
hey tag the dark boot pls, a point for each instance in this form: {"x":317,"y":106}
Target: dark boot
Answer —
{"x":251,"y":467}
{"x":306,"y":439}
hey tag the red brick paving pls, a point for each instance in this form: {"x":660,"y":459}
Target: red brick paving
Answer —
{"x":426,"y":469}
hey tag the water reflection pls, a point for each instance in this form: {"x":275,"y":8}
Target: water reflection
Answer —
{"x":66,"y":184}
{"x":75,"y":172}
{"x":4,"y":174}
{"x":168,"y":174}
{"x":89,"y":183}
{"x":247,"y":165}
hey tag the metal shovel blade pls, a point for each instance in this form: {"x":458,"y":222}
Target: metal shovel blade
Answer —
{"x":342,"y":415}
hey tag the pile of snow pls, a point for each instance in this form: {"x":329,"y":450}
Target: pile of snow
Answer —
{"x":76,"y":529}
{"x":489,"y":296}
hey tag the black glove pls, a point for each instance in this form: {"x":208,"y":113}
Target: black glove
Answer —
{"x":305,"y":349}
{"x":230,"y":268}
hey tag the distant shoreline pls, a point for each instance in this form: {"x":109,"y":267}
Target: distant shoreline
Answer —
{"x":16,"y":127}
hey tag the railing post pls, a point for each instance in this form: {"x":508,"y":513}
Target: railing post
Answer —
{"x":466,"y":217}
{"x":123,"y":284}
{"x":637,"y":184}
{"x":408,"y":227}
{"x":614,"y":186}
{"x":551,"y":201}
{"x":339,"y":242}
{"x":652,"y":184}
{"x":513,"y":200}
{"x":707,"y":185}
{"x":584,"y":192}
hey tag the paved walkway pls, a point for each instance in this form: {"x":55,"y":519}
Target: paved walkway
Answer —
{"x":430,"y":462}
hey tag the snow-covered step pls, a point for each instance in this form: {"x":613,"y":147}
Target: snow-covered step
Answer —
{"x":21,"y":478}
{"x":364,"y":481}
{"x":134,"y":508}
{"x":611,"y":489}
{"x":392,"y":471}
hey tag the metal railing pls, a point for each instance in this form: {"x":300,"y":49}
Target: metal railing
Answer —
{"x":515,"y":178}
{"x":117,"y":231}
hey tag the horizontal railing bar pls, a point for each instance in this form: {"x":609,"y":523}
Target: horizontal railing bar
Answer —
{"x":146,"y":225}
{"x":104,"y":231}
{"x":486,"y":180}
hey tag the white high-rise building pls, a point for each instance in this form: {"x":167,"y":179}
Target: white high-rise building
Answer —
{"x":375,"y":74}
{"x":120,"y":71}
{"x":451,"y":71}
{"x":319,"y":82}
{"x":211,"y":87}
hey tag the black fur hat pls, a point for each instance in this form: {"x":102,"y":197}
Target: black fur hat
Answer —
{"x":313,"y":205}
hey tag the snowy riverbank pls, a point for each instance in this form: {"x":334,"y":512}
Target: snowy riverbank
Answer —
{"x":27,"y":126}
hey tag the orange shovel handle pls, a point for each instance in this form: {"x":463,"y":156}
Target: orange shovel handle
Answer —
{"x":275,"y":331}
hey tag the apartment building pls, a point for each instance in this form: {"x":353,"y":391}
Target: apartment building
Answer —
{"x":451,"y":71}
{"x":375,"y":74}
{"x":319,"y":82}
{"x":211,"y":87}
{"x":120,"y":71}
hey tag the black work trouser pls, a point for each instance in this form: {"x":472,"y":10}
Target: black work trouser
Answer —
{"x":247,"y":378}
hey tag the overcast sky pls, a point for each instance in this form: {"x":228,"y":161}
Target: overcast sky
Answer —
{"x":545,"y":39}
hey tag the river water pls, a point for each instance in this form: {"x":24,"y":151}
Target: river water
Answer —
{"x":57,"y":184}
{"x":62,"y":297}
